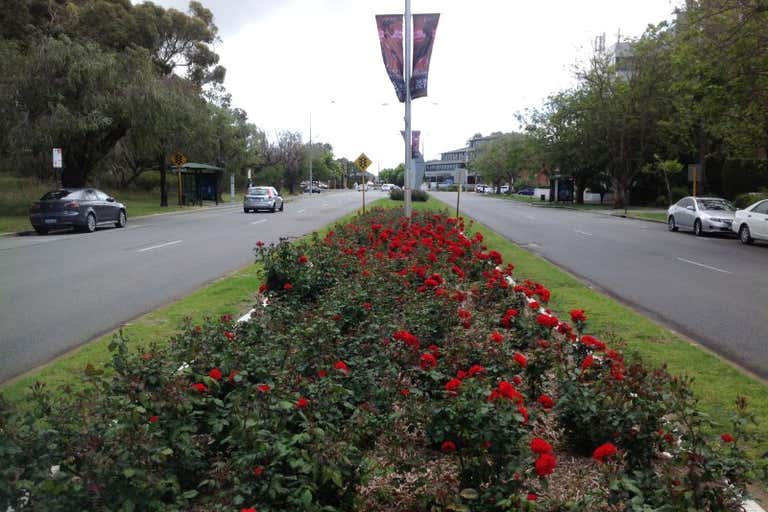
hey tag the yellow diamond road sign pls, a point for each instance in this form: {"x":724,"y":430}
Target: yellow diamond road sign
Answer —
{"x":178,"y":159}
{"x":363,"y":161}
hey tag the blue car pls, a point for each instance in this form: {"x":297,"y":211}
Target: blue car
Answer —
{"x":526,"y":191}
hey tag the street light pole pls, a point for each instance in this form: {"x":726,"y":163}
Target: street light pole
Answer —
{"x":407,"y":76}
{"x":310,"y":154}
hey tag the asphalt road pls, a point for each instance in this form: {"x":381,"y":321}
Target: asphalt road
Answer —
{"x":61,"y":290}
{"x":712,"y":289}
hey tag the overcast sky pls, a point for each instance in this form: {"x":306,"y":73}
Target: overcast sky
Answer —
{"x":491,"y":59}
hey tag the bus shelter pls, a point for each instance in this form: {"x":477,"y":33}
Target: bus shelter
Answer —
{"x":200,"y":182}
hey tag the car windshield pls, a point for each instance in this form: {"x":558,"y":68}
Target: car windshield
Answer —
{"x":258,"y":191}
{"x":54,"y":195}
{"x":715,"y":204}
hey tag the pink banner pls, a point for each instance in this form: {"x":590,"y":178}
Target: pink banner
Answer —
{"x":415,"y":142}
{"x":424,"y":28}
{"x":390,"y":28}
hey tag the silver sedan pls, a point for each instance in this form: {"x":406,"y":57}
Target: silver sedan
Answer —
{"x":701,"y":215}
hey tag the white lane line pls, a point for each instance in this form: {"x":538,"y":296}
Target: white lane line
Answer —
{"x":159,"y":246}
{"x":259,"y":221}
{"x":705,"y":266}
{"x":325,"y":204}
{"x":301,"y":211}
{"x":530,"y":217}
{"x":582,"y":232}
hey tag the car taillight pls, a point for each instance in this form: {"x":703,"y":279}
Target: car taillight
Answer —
{"x":72,"y":204}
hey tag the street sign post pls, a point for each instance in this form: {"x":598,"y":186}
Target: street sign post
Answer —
{"x":56,"y":158}
{"x":179,"y":160}
{"x":363,"y":162}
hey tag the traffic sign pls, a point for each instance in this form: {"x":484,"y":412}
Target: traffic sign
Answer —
{"x":178,"y":159}
{"x":363,"y":162}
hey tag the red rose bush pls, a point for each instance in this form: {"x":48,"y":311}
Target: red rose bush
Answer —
{"x":389,"y":365}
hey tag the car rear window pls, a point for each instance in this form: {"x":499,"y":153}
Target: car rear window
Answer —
{"x":54,"y":195}
{"x":258,"y":191}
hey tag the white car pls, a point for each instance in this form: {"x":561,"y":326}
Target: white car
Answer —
{"x":701,"y":215}
{"x":751,"y":223}
{"x":386,"y":187}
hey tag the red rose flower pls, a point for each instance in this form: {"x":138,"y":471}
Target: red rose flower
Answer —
{"x":153,"y":419}
{"x":448,"y":446}
{"x":405,"y":391}
{"x":303,"y":259}
{"x":604,"y":451}
{"x":258,"y":471}
{"x":215,"y":374}
{"x":367,"y":306}
{"x":577,"y":315}
{"x":322,"y":373}
{"x":546,"y":401}
{"x":301,"y":403}
{"x":427,"y":361}
{"x":521,"y":359}
{"x":587,"y":362}
{"x":545,"y":464}
{"x":435,"y":350}
{"x":523,"y":412}
{"x":229,"y":335}
{"x":248,"y":510}
{"x":259,"y":244}
{"x":199,"y":387}
{"x":497,"y":337}
{"x":263,"y":287}
{"x":232,"y":376}
{"x":540,"y":446}
{"x":531,"y":497}
{"x":727,"y":438}
{"x":341,"y":366}
{"x":263,"y":388}
{"x":475,"y":369}
{"x":452,"y":385}
{"x":287,"y":286}
{"x":517,"y":380}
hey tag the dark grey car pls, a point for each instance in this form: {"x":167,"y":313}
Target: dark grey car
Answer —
{"x":79,"y":208}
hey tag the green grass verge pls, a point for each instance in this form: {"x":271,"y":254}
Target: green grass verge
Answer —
{"x":657,"y":216}
{"x":232,"y":294}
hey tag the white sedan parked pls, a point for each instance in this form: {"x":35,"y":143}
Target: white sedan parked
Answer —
{"x":751,"y":223}
{"x":701,"y":215}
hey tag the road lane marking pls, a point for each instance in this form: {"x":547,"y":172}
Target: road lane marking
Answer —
{"x":259,"y":221}
{"x":301,"y":211}
{"x":159,"y":246}
{"x":530,"y":217}
{"x":582,"y":232}
{"x":705,"y":266}
{"x":325,"y":204}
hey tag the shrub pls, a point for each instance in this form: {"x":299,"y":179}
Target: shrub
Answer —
{"x":744,"y":200}
{"x":678,"y":193}
{"x":416,"y":195}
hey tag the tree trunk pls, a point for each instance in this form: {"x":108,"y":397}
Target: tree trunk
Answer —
{"x":669,"y":188}
{"x":163,"y":181}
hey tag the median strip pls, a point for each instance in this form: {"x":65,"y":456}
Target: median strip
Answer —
{"x":159,"y":246}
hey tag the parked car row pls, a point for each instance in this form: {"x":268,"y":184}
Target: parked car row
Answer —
{"x":703,"y":215}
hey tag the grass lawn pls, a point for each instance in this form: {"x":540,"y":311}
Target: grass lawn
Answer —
{"x":657,"y":216}
{"x":716,"y":383}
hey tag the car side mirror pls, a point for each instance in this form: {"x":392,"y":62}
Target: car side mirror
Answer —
{"x":111,"y":199}
{"x":689,"y":208}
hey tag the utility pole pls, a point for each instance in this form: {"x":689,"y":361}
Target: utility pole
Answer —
{"x":407,"y":76}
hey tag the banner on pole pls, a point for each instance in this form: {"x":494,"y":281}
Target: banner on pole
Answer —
{"x":390,"y":28}
{"x":424,"y":28}
{"x":415,"y":142}
{"x":57,"y":158}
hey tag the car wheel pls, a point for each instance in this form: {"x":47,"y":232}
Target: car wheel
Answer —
{"x":671,"y":224}
{"x":274,"y":207}
{"x":122,"y":220}
{"x":246,"y":210}
{"x":41,"y":231}
{"x":90,"y":223}
{"x":697,"y":228}
{"x":744,"y":235}
{"x":282,"y":206}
